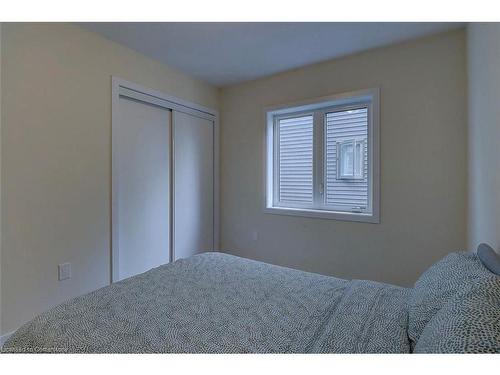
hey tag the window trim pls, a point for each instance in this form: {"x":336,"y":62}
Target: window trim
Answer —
{"x":319,"y":107}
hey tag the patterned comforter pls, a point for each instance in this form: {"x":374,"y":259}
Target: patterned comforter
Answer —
{"x":218,"y":303}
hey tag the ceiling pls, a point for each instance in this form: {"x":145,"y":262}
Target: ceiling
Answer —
{"x":227,"y":53}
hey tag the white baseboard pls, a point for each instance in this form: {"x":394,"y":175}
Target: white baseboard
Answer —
{"x":4,"y":338}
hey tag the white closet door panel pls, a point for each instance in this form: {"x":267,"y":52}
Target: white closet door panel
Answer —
{"x":193,"y":185}
{"x":143,"y":174}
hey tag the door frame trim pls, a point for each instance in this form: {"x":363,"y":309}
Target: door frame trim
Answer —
{"x":121,"y":87}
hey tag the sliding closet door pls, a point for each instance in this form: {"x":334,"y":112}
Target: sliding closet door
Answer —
{"x":141,"y":188}
{"x":193,"y":185}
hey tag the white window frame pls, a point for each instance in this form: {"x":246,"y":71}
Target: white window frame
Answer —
{"x":319,"y":107}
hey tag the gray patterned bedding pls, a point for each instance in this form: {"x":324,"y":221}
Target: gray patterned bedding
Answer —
{"x":218,"y":303}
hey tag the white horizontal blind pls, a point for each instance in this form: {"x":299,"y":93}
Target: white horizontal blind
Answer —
{"x":295,"y":180}
{"x":341,"y":193}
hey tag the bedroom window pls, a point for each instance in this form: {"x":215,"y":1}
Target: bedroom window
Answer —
{"x":322,"y":158}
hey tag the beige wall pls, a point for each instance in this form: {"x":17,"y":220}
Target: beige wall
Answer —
{"x":484,"y":134}
{"x":56,"y":136}
{"x":423,"y":164}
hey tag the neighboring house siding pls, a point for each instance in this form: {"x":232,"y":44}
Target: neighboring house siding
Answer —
{"x":343,"y":126}
{"x":296,"y":160}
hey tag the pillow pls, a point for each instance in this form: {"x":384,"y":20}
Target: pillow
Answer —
{"x":489,"y":258}
{"x":439,"y":284}
{"x":469,"y":323}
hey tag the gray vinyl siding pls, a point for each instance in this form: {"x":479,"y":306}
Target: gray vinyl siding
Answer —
{"x":295,"y":160}
{"x":342,"y":126}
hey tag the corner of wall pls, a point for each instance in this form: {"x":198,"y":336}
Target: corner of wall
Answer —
{"x":483,"y":57}
{"x":468,"y":235}
{"x":1,"y":53}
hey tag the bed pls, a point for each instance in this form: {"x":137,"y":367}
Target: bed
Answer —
{"x":219,"y":303}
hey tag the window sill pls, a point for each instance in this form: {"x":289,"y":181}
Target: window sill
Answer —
{"x":322,"y":214}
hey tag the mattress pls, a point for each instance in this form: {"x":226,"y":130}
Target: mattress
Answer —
{"x":219,"y":303}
